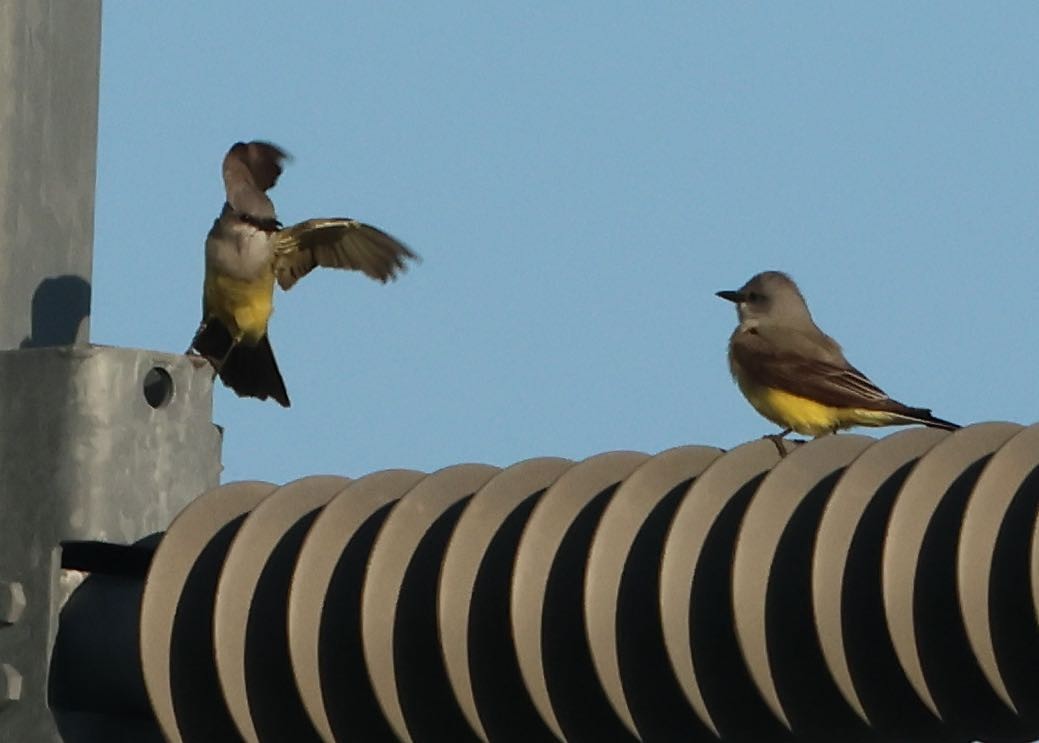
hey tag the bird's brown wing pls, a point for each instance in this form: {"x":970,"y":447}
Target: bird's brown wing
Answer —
{"x":822,"y":379}
{"x":336,"y":243}
{"x":249,"y":170}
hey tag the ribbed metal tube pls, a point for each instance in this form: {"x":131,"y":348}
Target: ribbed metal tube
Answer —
{"x":853,"y":589}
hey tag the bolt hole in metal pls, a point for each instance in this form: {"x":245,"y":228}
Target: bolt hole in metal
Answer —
{"x":158,"y":387}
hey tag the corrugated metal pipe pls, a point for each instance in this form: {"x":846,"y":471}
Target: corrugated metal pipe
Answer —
{"x":853,"y":589}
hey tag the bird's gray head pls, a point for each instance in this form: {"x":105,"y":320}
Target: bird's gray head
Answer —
{"x":770,"y":297}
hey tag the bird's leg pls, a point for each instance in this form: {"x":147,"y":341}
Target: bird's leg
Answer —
{"x":219,"y":365}
{"x":777,"y":439}
{"x":194,"y":338}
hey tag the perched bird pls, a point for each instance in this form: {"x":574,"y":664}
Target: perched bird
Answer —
{"x":795,"y":375}
{"x":247,"y":250}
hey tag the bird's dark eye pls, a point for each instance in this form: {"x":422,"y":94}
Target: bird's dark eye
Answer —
{"x":753,"y":297}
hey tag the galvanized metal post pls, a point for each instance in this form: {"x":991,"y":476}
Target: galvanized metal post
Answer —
{"x":49,"y":61}
{"x":96,"y":443}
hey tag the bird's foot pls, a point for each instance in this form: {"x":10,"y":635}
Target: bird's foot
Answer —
{"x":779,"y":440}
{"x":198,"y":360}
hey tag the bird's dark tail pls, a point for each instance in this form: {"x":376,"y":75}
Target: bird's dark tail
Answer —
{"x":923,"y":415}
{"x":250,"y":371}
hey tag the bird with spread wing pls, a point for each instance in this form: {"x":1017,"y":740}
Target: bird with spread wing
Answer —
{"x":248,"y":250}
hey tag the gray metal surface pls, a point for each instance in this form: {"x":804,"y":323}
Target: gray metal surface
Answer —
{"x":919,"y":581}
{"x":992,"y":562}
{"x":621,"y":592}
{"x":771,"y":582}
{"x":398,"y":606}
{"x":696,"y":595}
{"x":473,"y":601}
{"x":252,"y":594}
{"x":522,"y":604}
{"x":49,"y":59}
{"x":86,"y":458}
{"x":547,"y":587}
{"x":177,"y":654}
{"x":846,"y":584}
{"x":101,"y":445}
{"x":324,"y":622}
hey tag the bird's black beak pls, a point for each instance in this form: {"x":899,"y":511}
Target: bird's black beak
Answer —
{"x":732,"y":296}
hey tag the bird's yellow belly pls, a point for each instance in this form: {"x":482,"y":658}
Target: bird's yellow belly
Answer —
{"x":243,"y":306}
{"x":808,"y":417}
{"x":791,"y":411}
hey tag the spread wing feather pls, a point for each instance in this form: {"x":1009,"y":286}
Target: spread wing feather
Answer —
{"x":336,"y":243}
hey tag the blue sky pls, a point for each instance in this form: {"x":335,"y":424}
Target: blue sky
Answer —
{"x":579,"y":179}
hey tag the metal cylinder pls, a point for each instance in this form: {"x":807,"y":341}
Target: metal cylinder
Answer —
{"x":852,"y":589}
{"x":50,"y":53}
{"x":96,"y":688}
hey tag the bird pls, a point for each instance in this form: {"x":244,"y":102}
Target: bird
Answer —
{"x":795,"y":375}
{"x":248,"y":250}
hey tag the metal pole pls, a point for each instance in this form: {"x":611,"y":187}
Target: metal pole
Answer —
{"x":49,"y":60}
{"x":97,"y":444}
